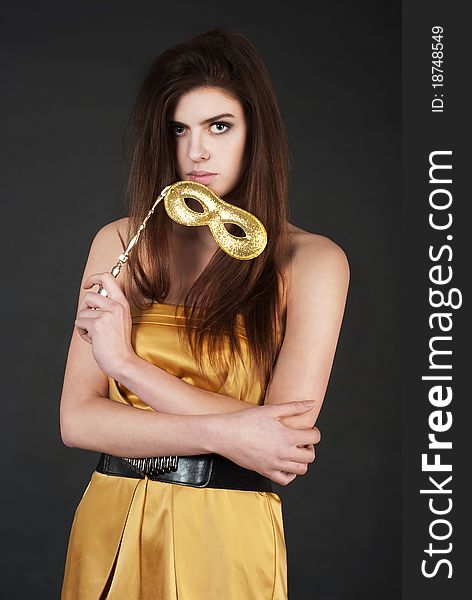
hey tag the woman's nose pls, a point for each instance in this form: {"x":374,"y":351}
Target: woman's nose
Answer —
{"x":197,"y":149}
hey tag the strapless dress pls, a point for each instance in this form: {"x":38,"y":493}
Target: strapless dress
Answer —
{"x":138,"y":539}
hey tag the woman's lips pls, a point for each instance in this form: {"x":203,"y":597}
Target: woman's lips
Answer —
{"x":205,"y":179}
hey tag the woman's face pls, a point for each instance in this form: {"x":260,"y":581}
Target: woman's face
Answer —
{"x":209,"y":128}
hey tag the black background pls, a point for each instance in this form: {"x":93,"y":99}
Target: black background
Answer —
{"x":70,"y":74}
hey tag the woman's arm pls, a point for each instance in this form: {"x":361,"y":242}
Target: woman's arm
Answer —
{"x":113,"y":352}
{"x":316,"y":300}
{"x":103,"y":425}
{"x":167,"y":393}
{"x":254,"y":438}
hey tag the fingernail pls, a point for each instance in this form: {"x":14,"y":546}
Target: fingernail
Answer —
{"x":310,"y":402}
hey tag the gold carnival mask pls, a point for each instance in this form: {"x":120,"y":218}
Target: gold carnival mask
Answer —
{"x":216,"y":212}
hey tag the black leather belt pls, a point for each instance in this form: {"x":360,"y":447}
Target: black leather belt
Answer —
{"x":203,"y":470}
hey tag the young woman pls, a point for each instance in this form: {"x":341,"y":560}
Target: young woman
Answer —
{"x":196,"y":354}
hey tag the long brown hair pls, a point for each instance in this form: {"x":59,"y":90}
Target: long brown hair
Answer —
{"x":254,"y":289}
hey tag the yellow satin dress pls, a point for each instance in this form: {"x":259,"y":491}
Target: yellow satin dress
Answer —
{"x":138,"y":539}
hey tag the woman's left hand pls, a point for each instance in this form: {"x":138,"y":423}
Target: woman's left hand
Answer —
{"x":108,"y":328}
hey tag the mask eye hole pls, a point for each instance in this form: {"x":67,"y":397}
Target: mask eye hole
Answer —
{"x":194,"y":204}
{"x":235,"y":229}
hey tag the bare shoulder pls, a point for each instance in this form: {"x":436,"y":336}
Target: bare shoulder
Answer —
{"x":113,"y":233}
{"x":315,"y":258}
{"x":107,"y":244}
{"x":111,"y":239}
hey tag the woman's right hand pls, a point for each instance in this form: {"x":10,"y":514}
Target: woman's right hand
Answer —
{"x":255,"y":439}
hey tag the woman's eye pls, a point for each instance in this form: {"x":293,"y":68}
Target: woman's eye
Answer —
{"x":175,"y":128}
{"x":220,"y":125}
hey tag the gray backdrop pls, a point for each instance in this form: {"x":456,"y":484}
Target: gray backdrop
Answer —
{"x":71,"y":72}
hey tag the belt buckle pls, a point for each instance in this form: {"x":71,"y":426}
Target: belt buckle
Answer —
{"x":153,"y":465}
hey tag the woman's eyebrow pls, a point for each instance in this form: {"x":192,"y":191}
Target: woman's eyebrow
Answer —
{"x":206,"y":121}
